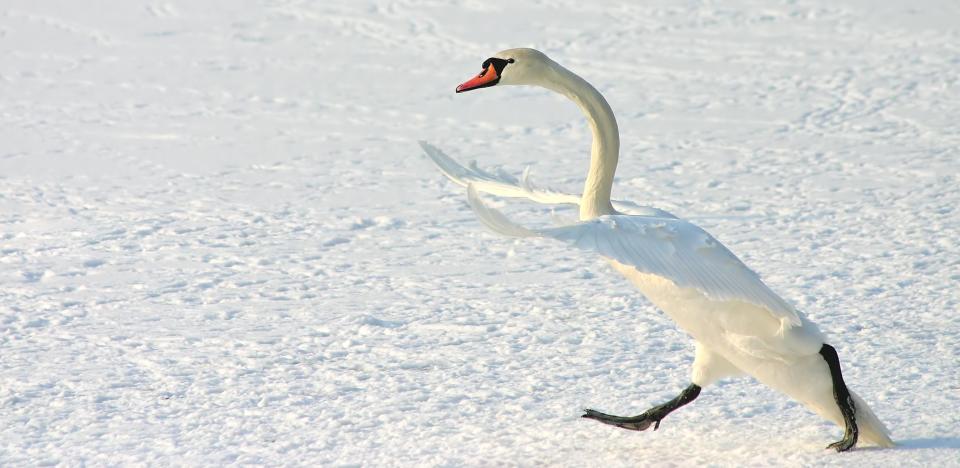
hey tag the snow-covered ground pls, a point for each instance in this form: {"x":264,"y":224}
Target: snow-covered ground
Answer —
{"x":220,"y":242}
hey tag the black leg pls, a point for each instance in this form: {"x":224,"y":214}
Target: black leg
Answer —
{"x":651,"y":416}
{"x":844,"y":401}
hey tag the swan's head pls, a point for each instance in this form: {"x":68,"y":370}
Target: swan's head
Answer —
{"x":510,"y":67}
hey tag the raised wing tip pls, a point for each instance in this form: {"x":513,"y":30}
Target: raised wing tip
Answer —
{"x":447,"y":165}
{"x":493,"y":219}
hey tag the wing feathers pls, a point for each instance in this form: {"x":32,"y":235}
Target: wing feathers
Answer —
{"x":667,"y":247}
{"x":494,"y":219}
{"x":499,"y":184}
{"x":504,"y":185}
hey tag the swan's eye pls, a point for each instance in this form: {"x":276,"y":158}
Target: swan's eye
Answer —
{"x":510,"y":60}
{"x":498,"y":64}
{"x":484,"y":67}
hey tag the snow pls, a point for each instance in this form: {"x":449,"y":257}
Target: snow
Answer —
{"x":220,"y":242}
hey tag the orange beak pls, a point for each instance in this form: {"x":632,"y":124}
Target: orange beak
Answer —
{"x":488,"y":77}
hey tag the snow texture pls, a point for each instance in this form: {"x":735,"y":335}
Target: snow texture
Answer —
{"x":220,"y":242}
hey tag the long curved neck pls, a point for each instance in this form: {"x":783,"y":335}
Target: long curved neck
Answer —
{"x":605,"y":150}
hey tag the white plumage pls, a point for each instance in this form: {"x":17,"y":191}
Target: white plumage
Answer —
{"x":740,"y":325}
{"x":671,"y":248}
{"x":505,"y":185}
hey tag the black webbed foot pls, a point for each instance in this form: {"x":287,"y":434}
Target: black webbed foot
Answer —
{"x":844,"y":444}
{"x":849,"y":439}
{"x":652,"y":416}
{"x":844,"y":401}
{"x":634,"y":423}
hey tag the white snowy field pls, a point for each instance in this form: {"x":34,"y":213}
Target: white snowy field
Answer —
{"x":220,"y":243}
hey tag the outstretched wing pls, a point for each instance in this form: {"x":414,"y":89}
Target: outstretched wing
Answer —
{"x":505,"y":185}
{"x":667,"y":247}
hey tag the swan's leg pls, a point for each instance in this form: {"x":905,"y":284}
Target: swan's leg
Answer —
{"x":844,"y":401}
{"x":651,"y":416}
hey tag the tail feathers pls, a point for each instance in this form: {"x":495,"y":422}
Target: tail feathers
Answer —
{"x":871,"y":428}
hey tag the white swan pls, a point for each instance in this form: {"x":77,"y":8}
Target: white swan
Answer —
{"x":739,"y":324}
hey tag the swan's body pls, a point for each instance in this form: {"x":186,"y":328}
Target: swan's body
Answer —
{"x":739,"y":324}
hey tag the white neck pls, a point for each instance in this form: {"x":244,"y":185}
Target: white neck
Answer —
{"x":605,"y":149}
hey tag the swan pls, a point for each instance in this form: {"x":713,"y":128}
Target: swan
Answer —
{"x":739,"y":325}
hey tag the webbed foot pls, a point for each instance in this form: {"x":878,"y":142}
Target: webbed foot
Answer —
{"x":844,"y":401}
{"x":634,"y":423}
{"x":652,"y":416}
{"x":849,"y":439}
{"x":844,"y":444}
